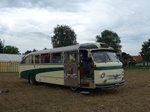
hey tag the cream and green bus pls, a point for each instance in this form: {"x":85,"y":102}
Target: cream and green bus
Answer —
{"x":89,"y":65}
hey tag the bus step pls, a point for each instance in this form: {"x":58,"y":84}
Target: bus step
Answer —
{"x":85,"y":92}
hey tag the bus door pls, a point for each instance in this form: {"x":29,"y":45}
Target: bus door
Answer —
{"x":71,"y":69}
{"x":86,"y":70}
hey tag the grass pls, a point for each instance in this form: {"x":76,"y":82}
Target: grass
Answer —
{"x":22,"y":97}
{"x":137,"y":67}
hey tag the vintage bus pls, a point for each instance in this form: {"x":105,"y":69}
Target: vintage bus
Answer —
{"x":89,"y":65}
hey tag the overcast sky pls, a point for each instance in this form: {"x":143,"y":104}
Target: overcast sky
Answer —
{"x":29,"y":24}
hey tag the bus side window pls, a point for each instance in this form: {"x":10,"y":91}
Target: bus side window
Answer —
{"x":37,"y":59}
{"x":31,"y":59}
{"x":25,"y":60}
{"x":45,"y":58}
{"x":57,"y":58}
{"x":71,"y":56}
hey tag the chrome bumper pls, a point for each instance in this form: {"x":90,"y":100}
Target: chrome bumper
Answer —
{"x":106,"y":85}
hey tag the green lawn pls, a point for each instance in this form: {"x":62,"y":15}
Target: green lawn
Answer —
{"x":137,"y":67}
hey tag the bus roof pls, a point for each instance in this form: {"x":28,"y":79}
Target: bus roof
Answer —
{"x":73,"y":47}
{"x":59,"y":49}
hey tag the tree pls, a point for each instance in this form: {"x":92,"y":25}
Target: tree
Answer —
{"x":63,"y":36}
{"x":110,"y":38}
{"x":127,"y":59}
{"x":1,"y":46}
{"x":11,"y":50}
{"x":145,"y":51}
{"x":29,"y":51}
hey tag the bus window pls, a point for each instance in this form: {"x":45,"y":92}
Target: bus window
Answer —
{"x":25,"y":60}
{"x":71,"y":56}
{"x":37,"y":59}
{"x":83,"y":54}
{"x":57,"y":58}
{"x":104,"y":56}
{"x":45,"y":58}
{"x":31,"y":59}
{"x":28,"y":60}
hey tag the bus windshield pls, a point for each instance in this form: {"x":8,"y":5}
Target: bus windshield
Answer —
{"x":104,"y":56}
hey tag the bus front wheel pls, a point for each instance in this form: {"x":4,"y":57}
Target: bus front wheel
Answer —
{"x":32,"y":80}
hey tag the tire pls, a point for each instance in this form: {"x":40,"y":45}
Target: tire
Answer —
{"x":32,"y":80}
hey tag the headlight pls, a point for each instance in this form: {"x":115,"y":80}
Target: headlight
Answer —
{"x":123,"y":73}
{"x":102,"y":75}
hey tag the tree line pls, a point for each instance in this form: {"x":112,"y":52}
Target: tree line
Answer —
{"x":64,"y":35}
{"x":8,"y":49}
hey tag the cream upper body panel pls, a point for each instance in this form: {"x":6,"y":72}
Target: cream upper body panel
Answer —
{"x":108,"y":72}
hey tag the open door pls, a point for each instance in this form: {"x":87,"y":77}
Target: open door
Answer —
{"x":71,"y":69}
{"x":86,"y":70}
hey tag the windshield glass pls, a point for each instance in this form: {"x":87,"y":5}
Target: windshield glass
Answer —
{"x":104,"y":56}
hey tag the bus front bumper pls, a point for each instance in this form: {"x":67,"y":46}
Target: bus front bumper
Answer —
{"x":107,"y":85}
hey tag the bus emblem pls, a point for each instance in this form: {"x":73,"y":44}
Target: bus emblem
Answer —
{"x":116,"y":76}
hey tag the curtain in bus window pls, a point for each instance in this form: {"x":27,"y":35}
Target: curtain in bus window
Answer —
{"x":45,"y":58}
{"x":31,"y":59}
{"x":56,"y":58}
{"x":37,"y":58}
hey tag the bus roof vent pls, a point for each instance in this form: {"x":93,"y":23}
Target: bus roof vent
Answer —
{"x":104,"y":45}
{"x":88,"y":46}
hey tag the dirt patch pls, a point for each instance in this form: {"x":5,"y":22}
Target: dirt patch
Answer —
{"x":22,"y":97}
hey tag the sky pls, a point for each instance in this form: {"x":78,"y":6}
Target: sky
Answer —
{"x":29,"y":24}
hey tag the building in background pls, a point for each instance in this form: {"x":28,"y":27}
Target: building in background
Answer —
{"x":9,"y":62}
{"x":138,"y":60}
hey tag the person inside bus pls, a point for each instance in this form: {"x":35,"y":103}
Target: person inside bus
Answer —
{"x":86,"y":65}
